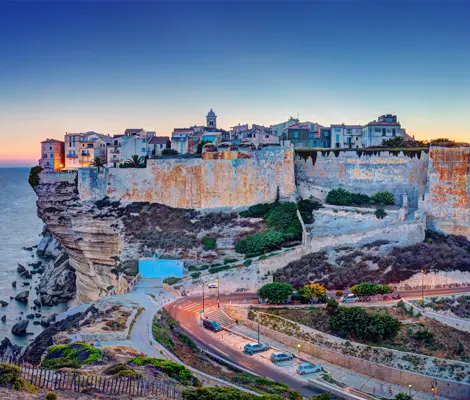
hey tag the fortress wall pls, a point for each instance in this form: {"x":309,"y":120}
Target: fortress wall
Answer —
{"x":367,"y":172}
{"x":229,"y":180}
{"x":448,"y":191}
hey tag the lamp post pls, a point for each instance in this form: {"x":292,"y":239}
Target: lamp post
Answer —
{"x":422,"y":285}
{"x":218,"y":292}
{"x":409,"y":389}
{"x":298,"y":348}
{"x":202,"y":284}
{"x":257,"y":320}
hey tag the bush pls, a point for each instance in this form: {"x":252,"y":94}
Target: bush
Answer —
{"x":209,"y":243}
{"x":339,"y":293}
{"x":170,"y":368}
{"x":306,"y":207}
{"x":10,"y":377}
{"x":323,"y":396}
{"x":332,"y":306}
{"x":34,"y":176}
{"x":195,"y":275}
{"x":261,"y":242}
{"x":282,"y":215}
{"x":216,"y":269}
{"x":380,"y":213}
{"x":70,"y":356}
{"x":257,"y":211}
{"x":230,"y":260}
{"x":370,"y":289}
{"x":171,"y":280}
{"x":358,"y":323}
{"x":223,"y":393}
{"x":341,"y":197}
{"x":383,"y":199}
{"x":169,"y":152}
{"x":247,"y":262}
{"x":204,"y":267}
{"x":276,"y":292}
{"x":192,"y":268}
{"x":51,"y":396}
{"x":313,"y":290}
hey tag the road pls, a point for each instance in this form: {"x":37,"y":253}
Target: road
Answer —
{"x":186,"y":312}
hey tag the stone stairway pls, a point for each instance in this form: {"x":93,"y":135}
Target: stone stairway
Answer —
{"x":221,"y":317}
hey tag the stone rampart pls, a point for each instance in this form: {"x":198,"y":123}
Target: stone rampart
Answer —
{"x":51,"y":178}
{"x":196,"y":183}
{"x":363,"y":171}
{"x":447,"y":199}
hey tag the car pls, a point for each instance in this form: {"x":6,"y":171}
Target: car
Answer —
{"x":307,"y":368}
{"x":213,"y":326}
{"x":212,"y":286}
{"x":253,"y":348}
{"x":278,"y":357}
{"x":350,"y":298}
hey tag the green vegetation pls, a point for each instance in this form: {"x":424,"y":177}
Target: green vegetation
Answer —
{"x":306,"y":207}
{"x":260,"y":242}
{"x":51,"y":396}
{"x":403,"y":396}
{"x":313,"y":290}
{"x":281,"y":215}
{"x":170,"y":368}
{"x":222,"y":393}
{"x":257,"y":211}
{"x":201,"y":145}
{"x":247,"y":262}
{"x":204,"y":267}
{"x":230,"y":260}
{"x":216,"y":269}
{"x":276,"y":292}
{"x":195,"y":275}
{"x":70,"y":356}
{"x":137,"y":315}
{"x":264,"y":385}
{"x":169,"y":152}
{"x":209,"y":243}
{"x":134,"y":162}
{"x":383,"y":199}
{"x":357,"y":322}
{"x":34,"y":176}
{"x":160,"y":332}
{"x":323,"y":396}
{"x":10,"y":377}
{"x":341,"y":197}
{"x":332,"y":306}
{"x":171,"y":280}
{"x":370,"y":289}
{"x":380,"y":213}
{"x":122,"y":370}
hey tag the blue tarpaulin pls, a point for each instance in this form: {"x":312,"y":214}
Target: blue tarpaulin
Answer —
{"x":158,"y":268}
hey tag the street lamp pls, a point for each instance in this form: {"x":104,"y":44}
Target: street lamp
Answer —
{"x":218,"y":292}
{"x":422,"y":285}
{"x":298,"y":348}
{"x":433,"y":390}
{"x":202,"y":284}
{"x":409,"y":389}
{"x":257,"y":320}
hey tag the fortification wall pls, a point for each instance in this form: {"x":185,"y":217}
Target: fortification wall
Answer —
{"x":197,"y":183}
{"x":447,"y":198}
{"x":367,"y":172}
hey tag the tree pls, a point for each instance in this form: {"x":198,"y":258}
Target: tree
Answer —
{"x":395,"y":142}
{"x":339,"y":293}
{"x":380,"y":213}
{"x":403,"y":396}
{"x":34,"y":176}
{"x":134,"y":162}
{"x":332,"y":306}
{"x":201,"y":145}
{"x":370,"y":289}
{"x":169,"y":152}
{"x":276,"y":292}
{"x":98,"y":162}
{"x":383,"y":199}
{"x":259,"y":243}
{"x":313,"y":290}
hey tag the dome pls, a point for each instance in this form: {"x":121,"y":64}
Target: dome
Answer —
{"x":211,"y":113}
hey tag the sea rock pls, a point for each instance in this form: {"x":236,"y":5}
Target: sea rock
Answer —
{"x":28,"y":248}
{"x":19,"y":329}
{"x":30,"y":316}
{"x":46,"y":321}
{"x":40,"y":270}
{"x":9,"y":350}
{"x":49,"y":245}
{"x":33,"y":272}
{"x":13,"y":284}
{"x":37,"y":302}
{"x":4,"y":318}
{"x":26,"y":283}
{"x":22,"y":296}
{"x":38,"y":315}
{"x":21,"y":269}
{"x":36,"y":322}
{"x":3,"y":303}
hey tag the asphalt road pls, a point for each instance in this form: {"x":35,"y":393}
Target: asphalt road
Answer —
{"x":188,"y":321}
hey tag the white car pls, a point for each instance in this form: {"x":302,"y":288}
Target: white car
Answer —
{"x":307,"y":368}
{"x":350,"y":298}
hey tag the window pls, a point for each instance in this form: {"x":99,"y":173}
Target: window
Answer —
{"x":394,"y":132}
{"x":337,"y":129}
{"x":47,"y":163}
{"x":143,"y":150}
{"x":337,"y":138}
{"x":143,"y":141}
{"x":296,"y":135}
{"x":377,"y":130}
{"x":384,"y":133}
{"x":326,"y":134}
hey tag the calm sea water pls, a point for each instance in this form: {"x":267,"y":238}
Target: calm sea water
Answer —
{"x":19,"y":227}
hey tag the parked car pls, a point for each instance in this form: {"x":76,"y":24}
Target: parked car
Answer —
{"x":212,"y":285}
{"x":307,"y":368}
{"x":278,"y":357}
{"x":350,"y":298}
{"x":255,"y":348}
{"x":212,"y":325}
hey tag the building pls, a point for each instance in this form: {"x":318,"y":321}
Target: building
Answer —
{"x":157,"y":144}
{"x":212,"y":137}
{"x":180,"y":140}
{"x":211,"y":120}
{"x":280,"y":128}
{"x":386,"y":127}
{"x":72,"y":144}
{"x":52,"y":155}
{"x":324,"y":140}
{"x":114,"y":156}
{"x":346,"y":136}
{"x":303,"y":134}
{"x":134,"y":143}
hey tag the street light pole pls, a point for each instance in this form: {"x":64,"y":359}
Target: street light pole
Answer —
{"x":257,"y":320}
{"x":203,"y":297}
{"x":409,"y":390}
{"x":422,"y":285}
{"x":218,"y":292}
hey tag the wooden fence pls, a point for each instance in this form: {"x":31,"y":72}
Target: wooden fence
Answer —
{"x":57,"y":380}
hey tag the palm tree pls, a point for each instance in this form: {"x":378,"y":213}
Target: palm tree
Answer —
{"x":98,"y":162}
{"x":135,"y":162}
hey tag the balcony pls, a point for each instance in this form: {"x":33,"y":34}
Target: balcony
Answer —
{"x":71,"y":155}
{"x":114,"y":151}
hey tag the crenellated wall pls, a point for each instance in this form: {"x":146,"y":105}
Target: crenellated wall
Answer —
{"x":363,"y":171}
{"x":228,"y":180}
{"x":447,"y":198}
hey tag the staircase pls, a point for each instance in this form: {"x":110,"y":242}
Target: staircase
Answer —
{"x":220,"y":317}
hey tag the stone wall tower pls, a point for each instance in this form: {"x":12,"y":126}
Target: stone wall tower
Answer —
{"x":211,"y":119}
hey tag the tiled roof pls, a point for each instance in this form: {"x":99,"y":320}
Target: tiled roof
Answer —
{"x":159,"y":140}
{"x":52,"y":140}
{"x":133,"y":130}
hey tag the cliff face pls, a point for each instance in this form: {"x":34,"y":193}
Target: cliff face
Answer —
{"x":103,"y":240}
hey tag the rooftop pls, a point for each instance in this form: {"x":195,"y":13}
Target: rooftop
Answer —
{"x":159,"y":140}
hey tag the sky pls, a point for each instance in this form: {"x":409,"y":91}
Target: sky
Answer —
{"x":107,"y":66}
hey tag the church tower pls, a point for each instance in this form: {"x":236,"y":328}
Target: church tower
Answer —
{"x":211,"y":120}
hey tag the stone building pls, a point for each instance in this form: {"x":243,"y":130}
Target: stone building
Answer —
{"x":386,"y":127}
{"x":52,"y":155}
{"x":346,"y":136}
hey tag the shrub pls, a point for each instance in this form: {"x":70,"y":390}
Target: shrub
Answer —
{"x":195,"y":275}
{"x":171,"y":280}
{"x":380,"y":213}
{"x":370,"y":289}
{"x":247,"y":262}
{"x":161,"y":335}
{"x":323,"y":396}
{"x":170,"y":368}
{"x":332,"y":306}
{"x":209,"y":243}
{"x":169,"y":152}
{"x":306,"y":207}
{"x":339,"y":293}
{"x":51,"y":396}
{"x":313,"y":290}
{"x":403,"y":396}
{"x":424,"y":335}
{"x":34,"y":176}
{"x":257,"y":211}
{"x":216,"y":269}
{"x":341,"y":197}
{"x":204,"y":267}
{"x":260,"y":242}
{"x":357,"y":322}
{"x":230,"y":260}
{"x":223,"y":393}
{"x":10,"y":377}
{"x":282,"y":215}
{"x":192,"y":268}
{"x":276,"y":292}
{"x":71,"y":356}
{"x":383,"y":199}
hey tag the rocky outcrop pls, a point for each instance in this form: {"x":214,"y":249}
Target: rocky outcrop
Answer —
{"x":22,"y":296}
{"x":57,"y":285}
{"x":104,"y":240}
{"x":19,"y":329}
{"x":8,"y":350}
{"x":49,"y":246}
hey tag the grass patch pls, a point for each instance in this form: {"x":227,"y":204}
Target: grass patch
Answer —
{"x":70,"y":356}
{"x":137,"y":315}
{"x":10,"y":377}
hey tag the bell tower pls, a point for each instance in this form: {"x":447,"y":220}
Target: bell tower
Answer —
{"x":211,"y":119}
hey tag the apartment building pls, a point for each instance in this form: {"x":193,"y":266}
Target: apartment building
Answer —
{"x":346,"y":136}
{"x":386,"y":127}
{"x":52,"y":155}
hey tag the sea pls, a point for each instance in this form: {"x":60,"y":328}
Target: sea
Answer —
{"x":19,"y":227}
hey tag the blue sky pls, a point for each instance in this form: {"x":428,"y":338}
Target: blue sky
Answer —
{"x":78,"y":66}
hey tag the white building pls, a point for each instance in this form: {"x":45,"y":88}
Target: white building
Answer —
{"x":346,"y":136}
{"x":386,"y":127}
{"x":134,"y":143}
